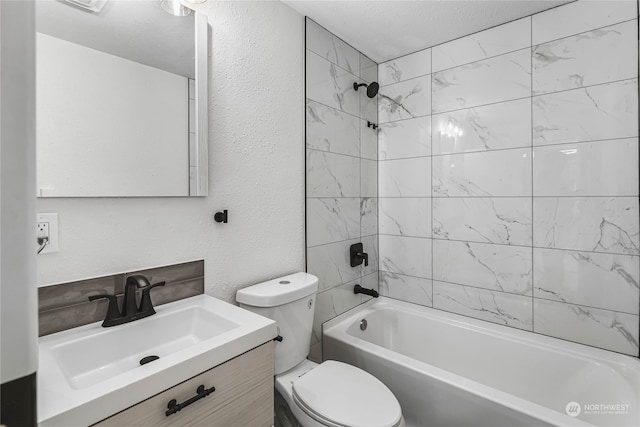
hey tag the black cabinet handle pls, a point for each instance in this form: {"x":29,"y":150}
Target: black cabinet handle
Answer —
{"x":173,"y":405}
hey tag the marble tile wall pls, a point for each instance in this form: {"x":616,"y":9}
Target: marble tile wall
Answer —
{"x":508,"y":175}
{"x":341,"y":174}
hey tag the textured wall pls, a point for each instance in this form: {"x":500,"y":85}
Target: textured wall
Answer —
{"x":341,"y":174}
{"x":508,"y":175}
{"x":256,"y":171}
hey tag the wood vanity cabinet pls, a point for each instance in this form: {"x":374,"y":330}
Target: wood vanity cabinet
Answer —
{"x":243,"y":396}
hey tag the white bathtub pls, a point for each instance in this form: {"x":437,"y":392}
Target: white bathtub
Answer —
{"x":451,"y":370}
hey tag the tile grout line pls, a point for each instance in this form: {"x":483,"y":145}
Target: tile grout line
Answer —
{"x":522,"y":147}
{"x":488,"y":104}
{"x":531,"y":45}
{"x":533,"y":247}
{"x":378,"y":179}
{"x":587,"y":306}
{"x":333,"y":108}
{"x":532,"y":185}
{"x":533,"y":297}
{"x":336,"y":154}
{"x":536,"y":196}
{"x":420,"y":76}
{"x":361,"y":272}
{"x":487,"y":58}
{"x":468,"y":35}
{"x":334,"y":287}
{"x":637,"y":354}
{"x":632,"y":196}
{"x":339,"y":38}
{"x":526,"y":196}
{"x":431,"y":176}
{"x":480,"y":288}
{"x":436,"y":113}
{"x":306,"y":152}
{"x":421,"y":116}
{"x":609,"y":82}
{"x":576,"y":34}
{"x":333,"y":63}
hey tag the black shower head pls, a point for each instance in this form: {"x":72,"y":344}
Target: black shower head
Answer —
{"x":372,"y":88}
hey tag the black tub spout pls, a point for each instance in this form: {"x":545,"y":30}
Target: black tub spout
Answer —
{"x":357,"y":289}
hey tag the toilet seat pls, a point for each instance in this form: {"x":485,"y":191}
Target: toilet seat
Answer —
{"x":340,"y":395}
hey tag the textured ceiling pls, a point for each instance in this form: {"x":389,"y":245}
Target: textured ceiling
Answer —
{"x":384,"y":30}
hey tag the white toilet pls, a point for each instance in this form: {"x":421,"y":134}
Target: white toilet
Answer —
{"x":329,"y":394}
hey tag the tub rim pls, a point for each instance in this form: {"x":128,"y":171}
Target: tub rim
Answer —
{"x":336,"y":329}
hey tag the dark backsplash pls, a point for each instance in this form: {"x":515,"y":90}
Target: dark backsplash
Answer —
{"x":66,"y":306}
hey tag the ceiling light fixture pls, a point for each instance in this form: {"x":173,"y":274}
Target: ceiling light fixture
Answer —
{"x":92,"y":5}
{"x":175,"y":8}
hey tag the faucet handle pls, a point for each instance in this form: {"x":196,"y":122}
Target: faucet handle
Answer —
{"x":365,"y":257}
{"x":145,"y":300}
{"x":112,"y":311}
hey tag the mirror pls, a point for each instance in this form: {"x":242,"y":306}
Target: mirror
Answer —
{"x":121,"y":100}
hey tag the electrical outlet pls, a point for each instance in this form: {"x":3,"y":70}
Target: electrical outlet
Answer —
{"x":47,"y":228}
{"x":43,"y":230}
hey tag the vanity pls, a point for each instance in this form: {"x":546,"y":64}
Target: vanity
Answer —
{"x":243,"y":396}
{"x":197,"y":361}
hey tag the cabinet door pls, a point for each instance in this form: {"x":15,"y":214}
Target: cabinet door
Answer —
{"x":243,"y":397}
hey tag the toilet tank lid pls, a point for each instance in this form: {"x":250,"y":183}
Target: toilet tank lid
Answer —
{"x":278,"y":291}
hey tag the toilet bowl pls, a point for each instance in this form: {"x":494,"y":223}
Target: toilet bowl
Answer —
{"x":308,"y":394}
{"x":337,"y":394}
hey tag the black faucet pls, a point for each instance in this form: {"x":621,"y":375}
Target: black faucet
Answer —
{"x":130,"y":310}
{"x":129,"y":305}
{"x":357,"y":255}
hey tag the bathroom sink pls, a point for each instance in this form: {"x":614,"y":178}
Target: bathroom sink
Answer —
{"x":89,"y":373}
{"x":95,"y":357}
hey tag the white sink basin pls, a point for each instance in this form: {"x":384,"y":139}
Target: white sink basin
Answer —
{"x":89,"y":373}
{"x":92,"y":358}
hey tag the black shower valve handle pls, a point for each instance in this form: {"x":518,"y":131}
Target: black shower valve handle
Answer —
{"x":357,"y":255}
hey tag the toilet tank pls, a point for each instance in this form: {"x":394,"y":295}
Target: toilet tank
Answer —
{"x":290,"y":301}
